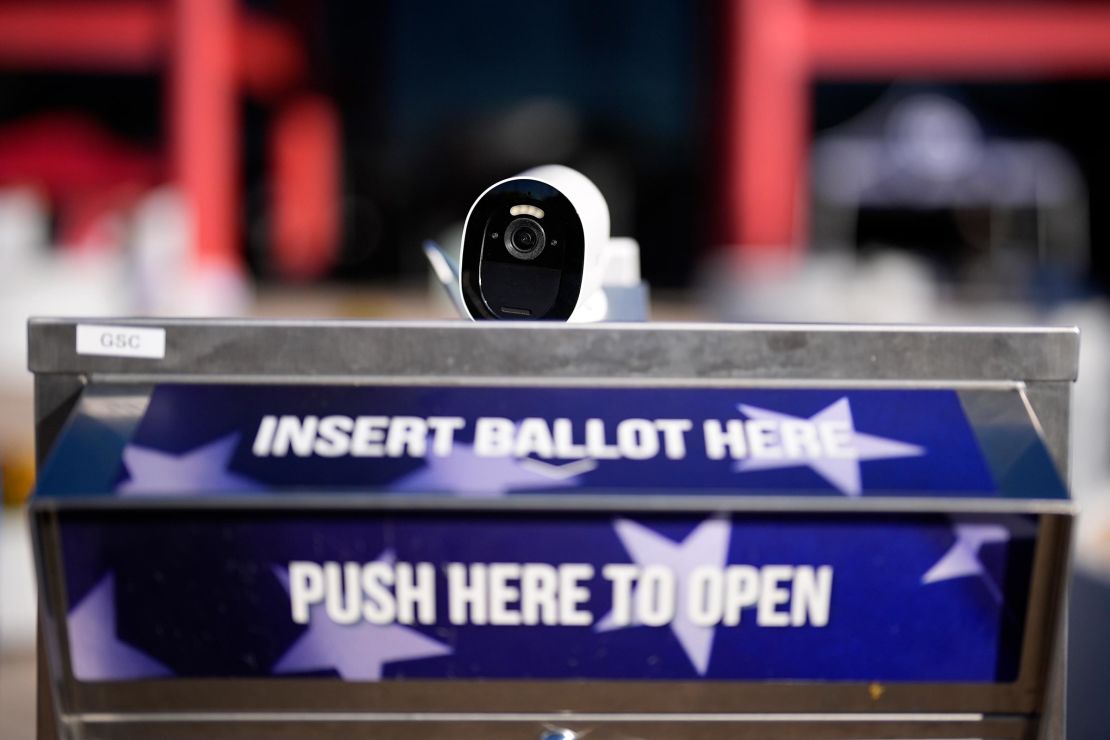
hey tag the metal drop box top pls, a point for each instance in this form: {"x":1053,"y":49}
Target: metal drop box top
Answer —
{"x":845,"y":528}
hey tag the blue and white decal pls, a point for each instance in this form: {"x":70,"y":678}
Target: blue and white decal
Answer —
{"x":196,"y":440}
{"x":365,"y":596}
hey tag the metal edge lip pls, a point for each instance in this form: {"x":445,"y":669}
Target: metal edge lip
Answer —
{"x":517,"y":326}
{"x":564,"y":503}
{"x":557,"y":381}
{"x":752,"y":717}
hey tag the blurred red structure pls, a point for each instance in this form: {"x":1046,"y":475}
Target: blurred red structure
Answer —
{"x":776,"y":48}
{"x":305,"y":192}
{"x":75,"y":162}
{"x":210,"y":53}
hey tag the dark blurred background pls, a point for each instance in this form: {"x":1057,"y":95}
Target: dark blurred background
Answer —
{"x":386,"y":119}
{"x":797,"y":160}
{"x":427,"y":104}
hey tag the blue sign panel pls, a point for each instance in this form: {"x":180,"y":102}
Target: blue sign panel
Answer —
{"x":213,"y":439}
{"x":376,"y":596}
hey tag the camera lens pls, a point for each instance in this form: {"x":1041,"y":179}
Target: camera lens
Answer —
{"x":524,"y":238}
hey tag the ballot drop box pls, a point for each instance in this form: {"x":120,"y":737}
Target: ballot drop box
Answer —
{"x":268,"y":529}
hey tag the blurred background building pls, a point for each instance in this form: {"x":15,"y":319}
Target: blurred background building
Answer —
{"x":798,"y":160}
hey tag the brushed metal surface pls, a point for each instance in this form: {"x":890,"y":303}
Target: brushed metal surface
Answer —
{"x":507,"y":349}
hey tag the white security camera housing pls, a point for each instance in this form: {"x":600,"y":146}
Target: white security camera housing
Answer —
{"x":534,"y":247}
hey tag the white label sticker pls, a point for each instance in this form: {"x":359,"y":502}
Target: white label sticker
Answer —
{"x":121,"y":341}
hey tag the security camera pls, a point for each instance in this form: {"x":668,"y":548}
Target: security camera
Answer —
{"x":535,"y":246}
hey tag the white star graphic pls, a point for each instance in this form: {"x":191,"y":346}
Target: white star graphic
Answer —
{"x":203,"y":470}
{"x":96,"y":653}
{"x":470,"y":476}
{"x":357,"y":652}
{"x":962,"y":559}
{"x":706,"y":545}
{"x":842,"y":472}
